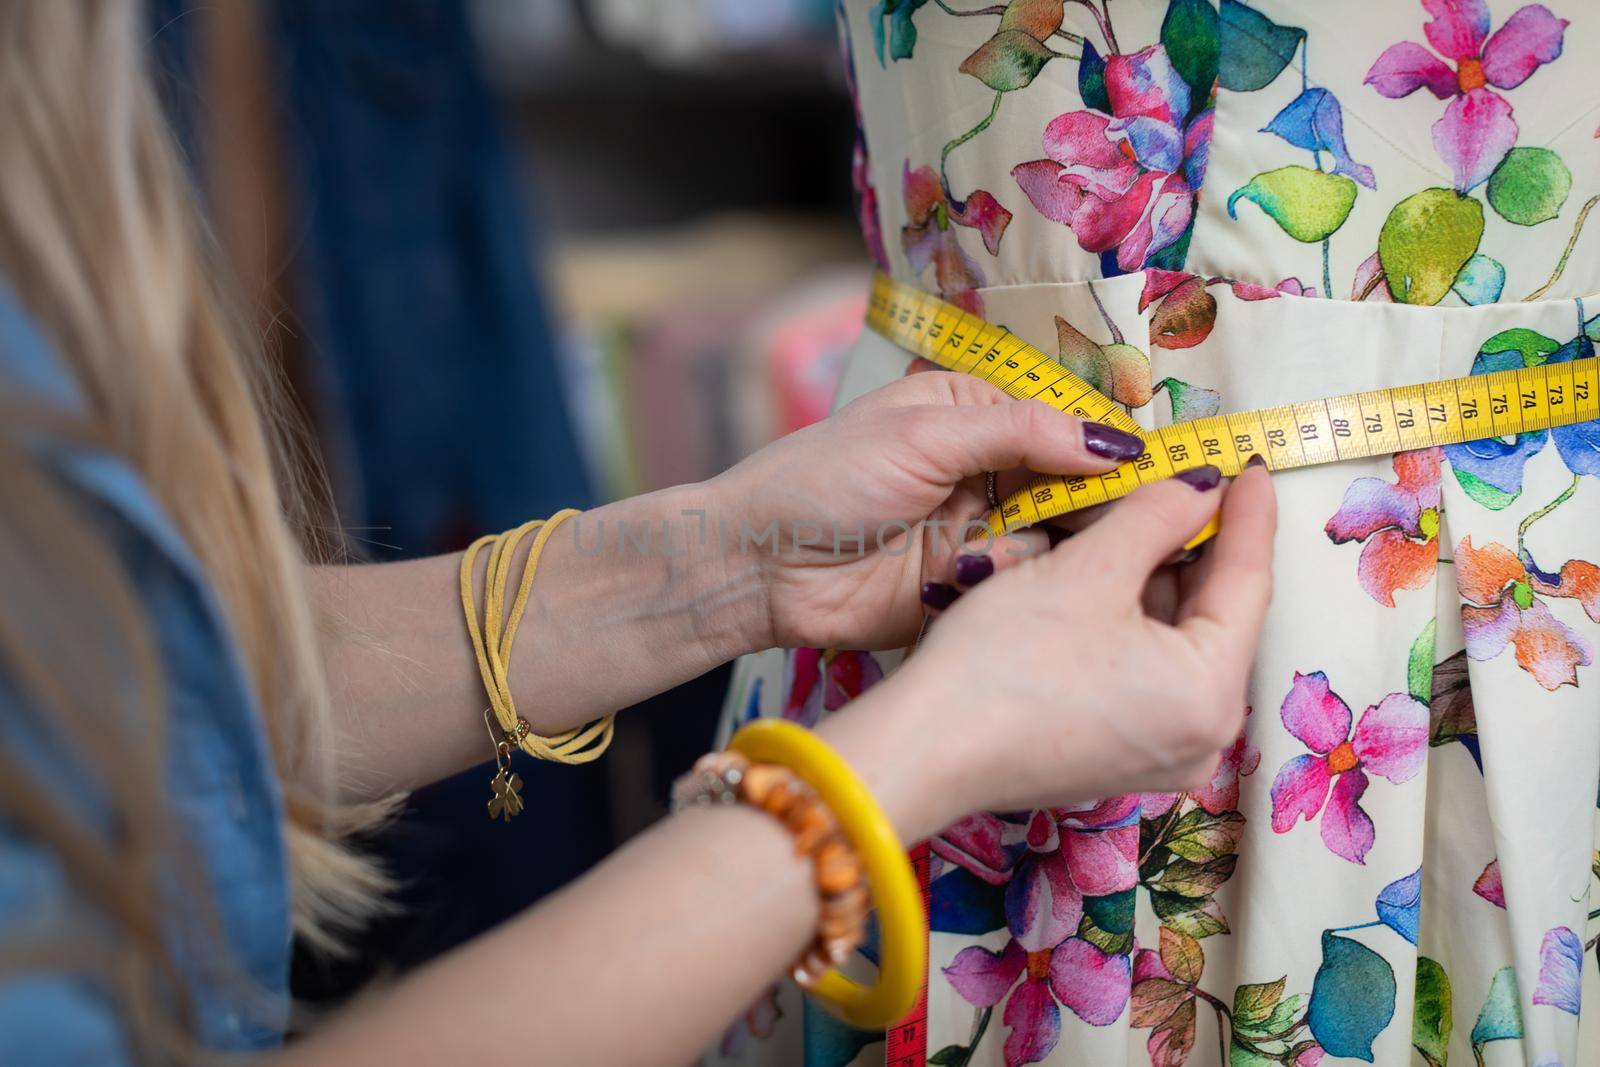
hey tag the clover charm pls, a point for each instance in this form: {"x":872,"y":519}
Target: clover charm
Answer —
{"x":507,"y":799}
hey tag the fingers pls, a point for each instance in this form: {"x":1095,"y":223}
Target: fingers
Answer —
{"x":981,"y":560}
{"x":968,"y":427}
{"x":1144,"y":529}
{"x":984,"y":557}
{"x":1231,"y":586}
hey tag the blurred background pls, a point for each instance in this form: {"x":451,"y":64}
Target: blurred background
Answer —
{"x":516,"y":255}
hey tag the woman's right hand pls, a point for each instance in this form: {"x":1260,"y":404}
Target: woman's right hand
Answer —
{"x":1052,"y":682}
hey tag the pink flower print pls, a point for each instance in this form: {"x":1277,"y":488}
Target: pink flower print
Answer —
{"x":1287,"y":287}
{"x":1560,"y":970}
{"x":1092,"y":983}
{"x":979,"y":844}
{"x":1391,"y":741}
{"x":1066,"y":860}
{"x":825,"y":679}
{"x":927,"y":237}
{"x":1489,"y":886}
{"x":1499,"y":609}
{"x":1049,"y":860}
{"x":1219,"y":795}
{"x":1125,"y":180}
{"x":1399,"y":524}
{"x":1369,"y":284}
{"x":1477,"y":129}
{"x":991,"y":845}
{"x":1222,"y":792}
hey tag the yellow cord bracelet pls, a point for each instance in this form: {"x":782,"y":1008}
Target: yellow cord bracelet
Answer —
{"x":902,"y":926}
{"x":492,"y":642}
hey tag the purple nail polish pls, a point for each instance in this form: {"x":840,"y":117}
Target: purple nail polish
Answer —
{"x":1255,"y":460}
{"x":972,"y":569}
{"x":1110,"y":442}
{"x":939,"y":595}
{"x":1200,"y":478}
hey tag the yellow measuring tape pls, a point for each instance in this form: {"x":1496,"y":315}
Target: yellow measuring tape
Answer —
{"x":1295,"y":435}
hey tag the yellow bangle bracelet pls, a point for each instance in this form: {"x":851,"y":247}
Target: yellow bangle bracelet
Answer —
{"x":902,"y":926}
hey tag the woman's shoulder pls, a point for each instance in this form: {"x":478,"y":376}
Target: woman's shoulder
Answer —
{"x":219,"y":781}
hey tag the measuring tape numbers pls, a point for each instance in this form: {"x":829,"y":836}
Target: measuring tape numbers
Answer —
{"x":1354,"y":426}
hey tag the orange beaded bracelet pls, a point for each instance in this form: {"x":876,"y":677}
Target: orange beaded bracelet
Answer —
{"x":729,"y":777}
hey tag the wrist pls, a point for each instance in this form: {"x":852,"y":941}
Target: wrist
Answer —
{"x":631,"y":599}
{"x":679,"y":551}
{"x":891,"y":742}
{"x":719,"y":573}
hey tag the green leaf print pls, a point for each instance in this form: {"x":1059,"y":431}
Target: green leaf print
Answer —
{"x":1199,"y":918}
{"x":1190,"y":401}
{"x":1284,"y":1015}
{"x":1492,"y":497}
{"x":1309,"y":204}
{"x":1529,"y":186}
{"x":1534,"y":347}
{"x":1254,"y":1004}
{"x":1501,"y":1017}
{"x":1425,"y":241}
{"x":1254,"y":48}
{"x":1092,"y":79}
{"x":901,"y":31}
{"x":1008,"y":60}
{"x":1196,"y":880}
{"x":1201,"y":836}
{"x":1431,"y":1015}
{"x":1419,"y":665}
{"x":1113,"y":913}
{"x":1189,"y":34}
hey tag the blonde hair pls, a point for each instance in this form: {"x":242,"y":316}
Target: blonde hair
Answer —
{"x":100,"y":238}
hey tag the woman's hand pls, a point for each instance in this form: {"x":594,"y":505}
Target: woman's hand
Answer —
{"x":1052,"y":682}
{"x":854,"y":514}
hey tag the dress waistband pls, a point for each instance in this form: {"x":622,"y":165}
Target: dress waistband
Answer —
{"x":1174,"y":346}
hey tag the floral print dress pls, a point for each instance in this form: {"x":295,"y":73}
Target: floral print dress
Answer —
{"x":1208,"y":206}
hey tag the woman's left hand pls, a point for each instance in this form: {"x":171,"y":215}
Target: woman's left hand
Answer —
{"x":848,"y":518}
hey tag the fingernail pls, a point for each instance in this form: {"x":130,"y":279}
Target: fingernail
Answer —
{"x":1200,"y":478}
{"x":1110,"y":442}
{"x":939,"y":595}
{"x":1255,"y":460}
{"x":972,"y":569}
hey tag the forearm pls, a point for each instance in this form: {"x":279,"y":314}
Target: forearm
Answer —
{"x":612,"y":619}
{"x":643,"y":961}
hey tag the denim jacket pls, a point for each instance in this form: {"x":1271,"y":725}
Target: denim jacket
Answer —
{"x":221,"y":783}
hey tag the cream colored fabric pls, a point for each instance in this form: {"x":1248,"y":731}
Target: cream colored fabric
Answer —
{"x":1264,"y":921}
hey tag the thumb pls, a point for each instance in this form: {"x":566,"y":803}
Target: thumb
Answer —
{"x":1144,"y":529}
{"x":969,"y":439}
